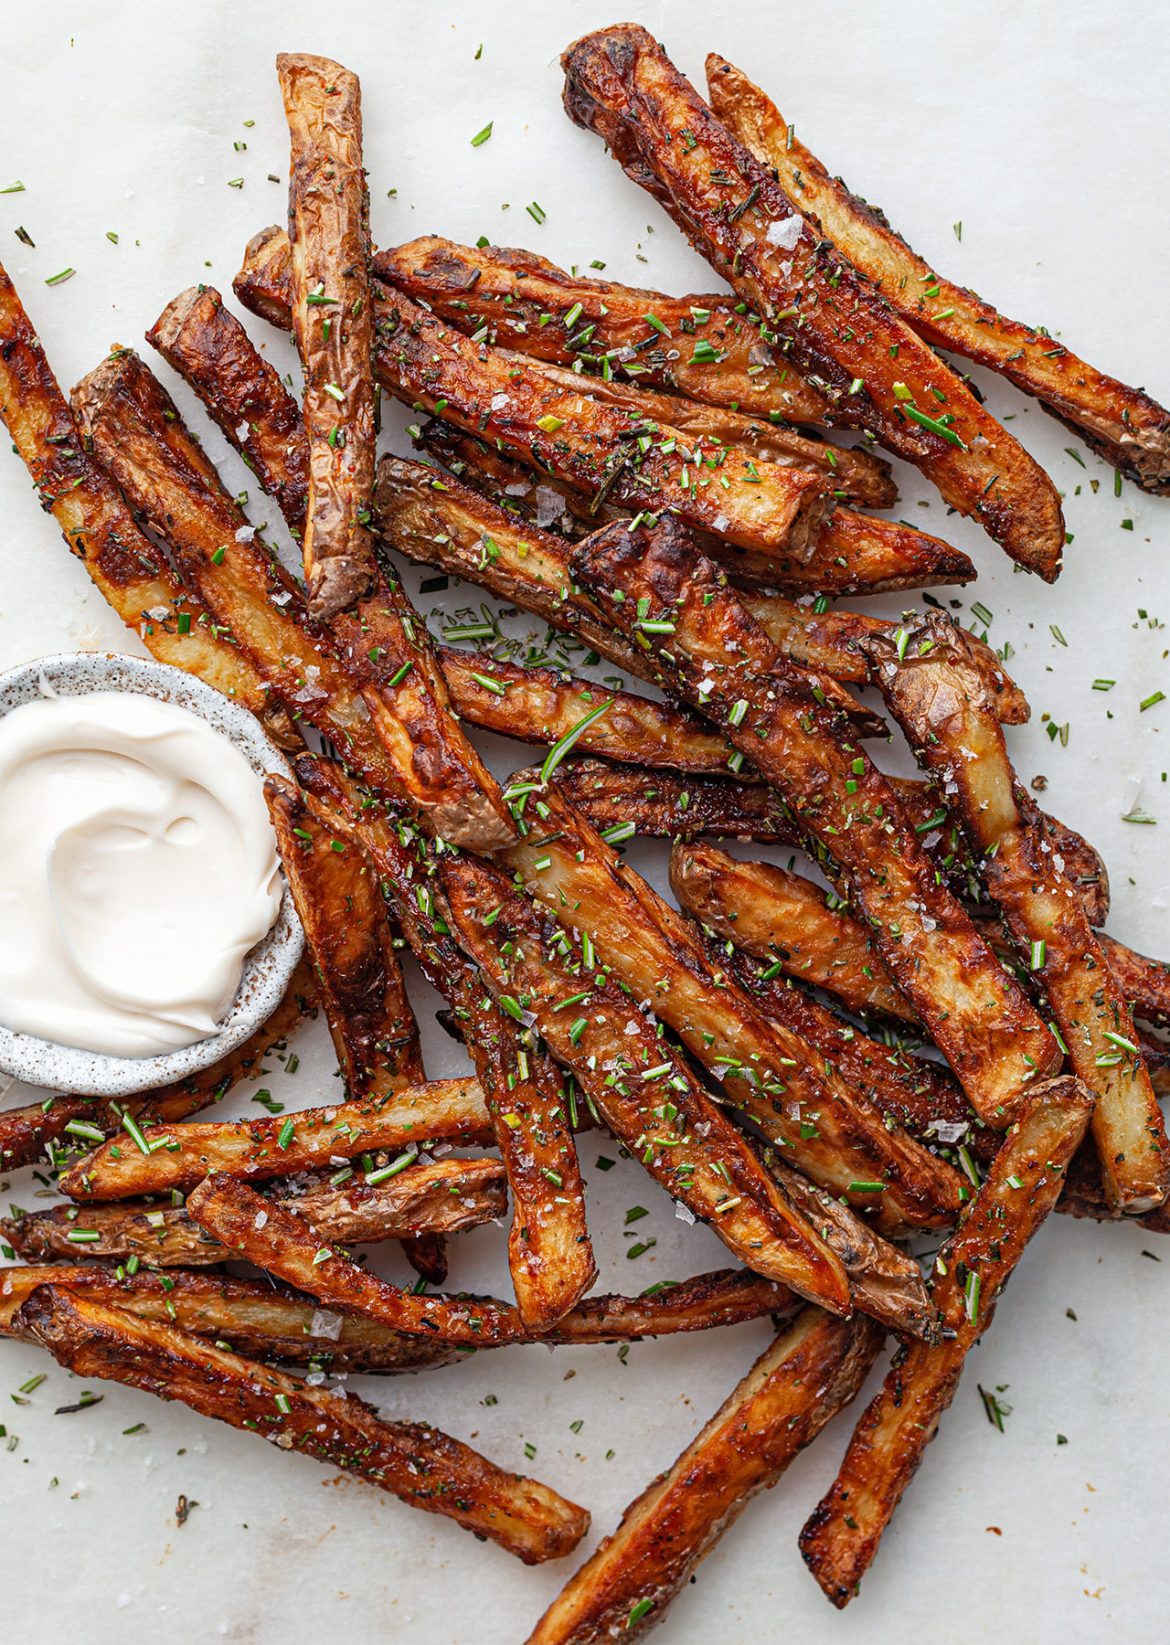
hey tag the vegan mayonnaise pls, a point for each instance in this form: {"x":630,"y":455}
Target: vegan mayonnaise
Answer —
{"x":137,"y":868}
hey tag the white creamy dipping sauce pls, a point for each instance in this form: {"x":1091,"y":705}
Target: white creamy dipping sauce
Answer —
{"x":137,"y":868}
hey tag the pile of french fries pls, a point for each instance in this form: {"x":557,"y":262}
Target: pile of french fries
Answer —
{"x":649,"y":476}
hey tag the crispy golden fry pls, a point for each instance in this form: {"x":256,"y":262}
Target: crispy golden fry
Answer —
{"x":441,"y":1198}
{"x":124,"y":565}
{"x":276,"y":1240}
{"x":768,"y":1070}
{"x":612,"y":327}
{"x":351,"y":945}
{"x":724,"y":664}
{"x":855,"y":475}
{"x":25,"y":1133}
{"x":853,"y":554}
{"x":241,"y":391}
{"x":1145,"y":983}
{"x":1025,"y":1180}
{"x":258,"y":1150}
{"x":645,"y":1093}
{"x":877,"y":373}
{"x":938,"y":699}
{"x":1123,"y":425}
{"x":270,"y":1322}
{"x":549,"y":1251}
{"x":372,"y":685}
{"x":1084,"y":1194}
{"x":333,"y":321}
{"x":423,"y":1467}
{"x":798,"y":1384}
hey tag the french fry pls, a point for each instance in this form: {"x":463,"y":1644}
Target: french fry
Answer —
{"x":550,"y":1256}
{"x":180,"y":1156}
{"x":415,"y":1462}
{"x":723,"y":663}
{"x":124,"y":565}
{"x":1145,"y":983}
{"x":209,"y":348}
{"x":842,"y":1534}
{"x":644,"y":336}
{"x":276,"y":1240}
{"x":269,"y":1322}
{"x":938,"y":699}
{"x":1123,"y":425}
{"x":371,"y":684}
{"x":26,"y":1133}
{"x":645,"y":1094}
{"x":809,"y":1373}
{"x":877,"y":373}
{"x":814,"y":1116}
{"x":441,"y":1198}
{"x":333,"y":322}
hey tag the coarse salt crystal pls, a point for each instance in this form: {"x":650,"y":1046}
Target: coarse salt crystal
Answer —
{"x":785,"y":233}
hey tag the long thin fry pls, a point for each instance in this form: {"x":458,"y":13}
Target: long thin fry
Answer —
{"x":180,"y":1156}
{"x":1025,"y":1180}
{"x":721,"y":662}
{"x":441,"y":1198}
{"x":415,"y":1462}
{"x":937,"y":698}
{"x":877,"y":372}
{"x":797,"y":1385}
{"x":1124,"y":425}
{"x":333,"y":321}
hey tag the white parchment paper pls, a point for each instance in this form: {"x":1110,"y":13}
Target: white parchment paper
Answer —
{"x":1044,"y":131}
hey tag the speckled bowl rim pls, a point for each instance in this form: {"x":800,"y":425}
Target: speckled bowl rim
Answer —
{"x":268,"y":967}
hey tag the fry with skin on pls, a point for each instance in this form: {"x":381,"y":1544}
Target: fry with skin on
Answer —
{"x":280,"y":1243}
{"x":768,"y":1070}
{"x":351,"y":944}
{"x":124,"y":565}
{"x":512,"y":291}
{"x":25,"y":1133}
{"x":241,"y":391}
{"x":809,"y":1373}
{"x":441,"y":1198}
{"x":1123,"y":425}
{"x":937,"y":698}
{"x":721,"y":662}
{"x":333,"y":320}
{"x":258,"y":1150}
{"x":878,"y":374}
{"x":1022,"y":1186}
{"x":269,"y":1322}
{"x":645,"y":1094}
{"x":550,"y":1256}
{"x":423,"y":1467}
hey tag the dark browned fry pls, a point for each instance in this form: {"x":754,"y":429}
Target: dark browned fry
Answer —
{"x":549,"y":1252}
{"x":722,"y":662}
{"x":333,"y":321}
{"x":938,"y":699}
{"x":280,"y":1243}
{"x":1145,"y":983}
{"x":644,"y":1092}
{"x":613,"y":326}
{"x":441,"y":1198}
{"x":1124,"y":425}
{"x":1023,"y":1184}
{"x":351,"y":945}
{"x":811,"y":1371}
{"x":127,"y":569}
{"x":816,"y":1118}
{"x":258,"y":1150}
{"x":875,"y":371}
{"x":26,"y":1133}
{"x":370,"y":684}
{"x":271,"y":1322}
{"x":214,"y":355}
{"x":423,"y":1467}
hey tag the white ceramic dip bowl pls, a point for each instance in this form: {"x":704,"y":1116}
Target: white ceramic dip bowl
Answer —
{"x":268,"y":966}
